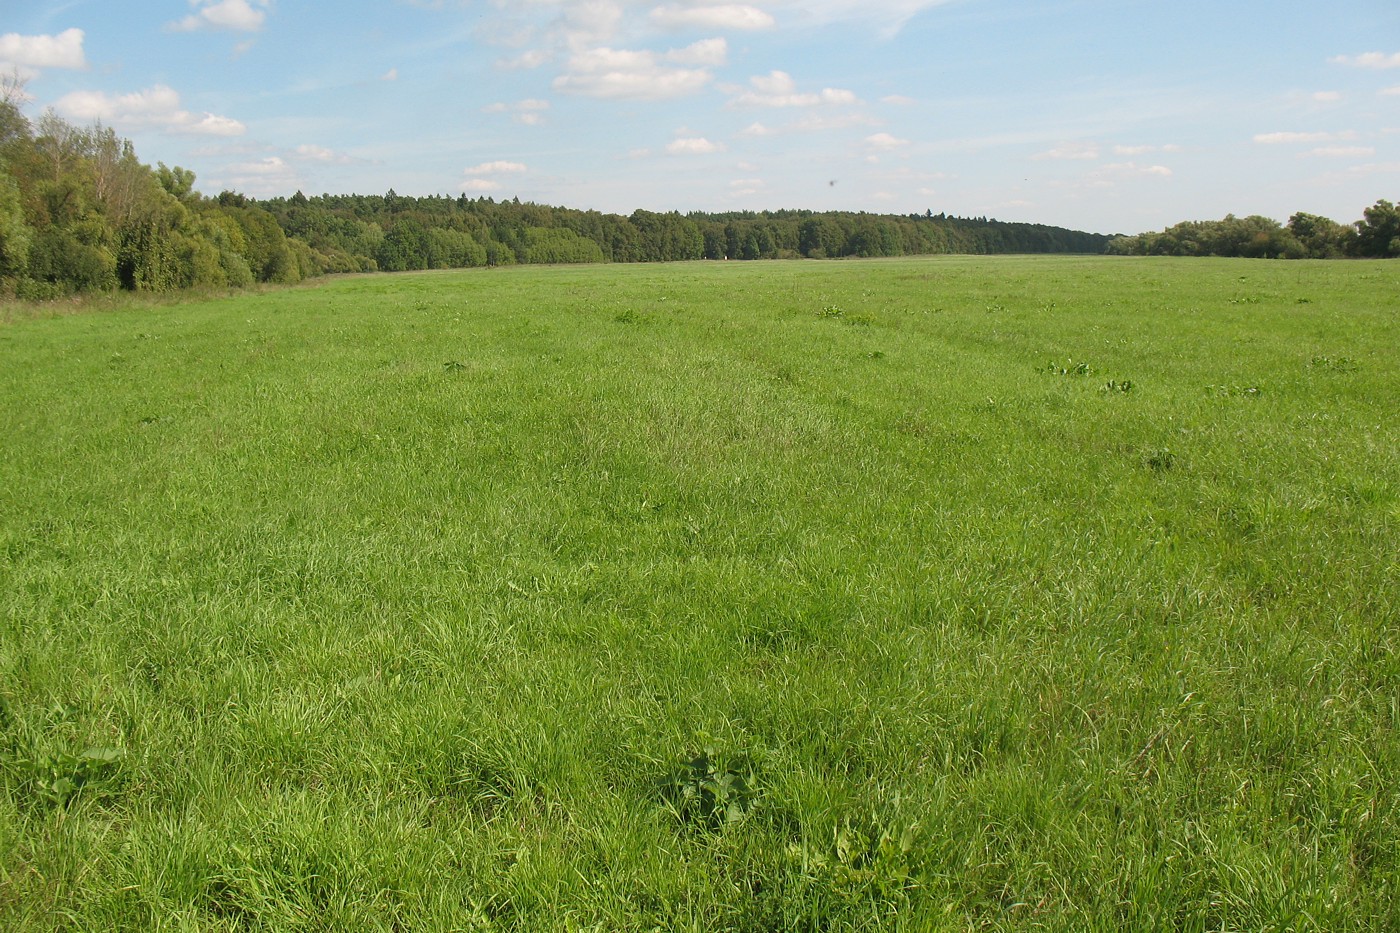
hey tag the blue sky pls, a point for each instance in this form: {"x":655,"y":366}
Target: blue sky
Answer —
{"x":1104,"y":115}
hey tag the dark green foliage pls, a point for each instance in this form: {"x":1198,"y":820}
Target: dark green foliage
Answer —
{"x":1378,"y":234}
{"x":269,"y":256}
{"x":15,"y":235}
{"x":42,"y":759}
{"x":545,"y":245}
{"x":146,"y":257}
{"x":704,"y":794}
{"x":436,"y":232}
{"x":1307,"y":236}
{"x":1252,"y":237}
{"x":59,"y":257}
{"x":79,"y":213}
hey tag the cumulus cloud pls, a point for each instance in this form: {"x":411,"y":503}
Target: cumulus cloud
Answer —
{"x":272,"y":165}
{"x":813,"y":123}
{"x":27,"y":54}
{"x":693,"y":145}
{"x":529,"y":112}
{"x":1117,"y":171}
{"x":312,"y":153}
{"x":705,"y":52}
{"x":778,"y":89}
{"x":889,"y":15}
{"x":641,"y":74}
{"x":480,"y":185}
{"x":1273,"y":139}
{"x":1391,"y":91}
{"x":526,"y":60}
{"x":1073,"y":150}
{"x":267,"y":176}
{"x":157,"y":107}
{"x":1375,"y":168}
{"x":499,"y":167}
{"x":885,"y":142}
{"x":231,"y":15}
{"x":391,"y":75}
{"x":1368,"y":60}
{"x":728,"y":16}
{"x":1342,"y":152}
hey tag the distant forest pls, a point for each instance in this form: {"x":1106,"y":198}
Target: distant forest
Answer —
{"x":80,"y":213}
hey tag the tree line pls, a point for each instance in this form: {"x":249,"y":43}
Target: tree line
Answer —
{"x":1306,"y":236}
{"x":79,"y":212}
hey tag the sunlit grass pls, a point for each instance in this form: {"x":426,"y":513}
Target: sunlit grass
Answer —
{"x":414,"y":602}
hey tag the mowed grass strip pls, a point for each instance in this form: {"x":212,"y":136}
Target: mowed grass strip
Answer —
{"x":1053,"y":593}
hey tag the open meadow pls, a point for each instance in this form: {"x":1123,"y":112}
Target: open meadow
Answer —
{"x":951,"y":593}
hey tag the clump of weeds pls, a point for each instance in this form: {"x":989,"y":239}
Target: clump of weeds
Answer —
{"x":1068,"y":368}
{"x":708,"y":793}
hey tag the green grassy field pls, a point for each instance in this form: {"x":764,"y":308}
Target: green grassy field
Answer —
{"x":937,"y":594}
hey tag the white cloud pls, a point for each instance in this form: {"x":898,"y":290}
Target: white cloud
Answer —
{"x":1342,"y":152}
{"x":813,"y":123}
{"x":526,"y":60}
{"x":1132,"y":150}
{"x":208,"y":125}
{"x":480,"y":185}
{"x":898,"y":100}
{"x":312,"y":153}
{"x":1133,"y":170}
{"x":269,"y":176}
{"x":778,"y":89}
{"x":499,"y":167}
{"x":272,"y":165}
{"x":733,"y":16}
{"x":234,"y":15}
{"x":27,"y":54}
{"x":696,"y":145}
{"x":704,"y":52}
{"x":529,"y":112}
{"x":1272,"y":139}
{"x":636,"y":75}
{"x":1368,"y":60}
{"x":391,"y":75}
{"x":747,"y":187}
{"x":1391,"y":91}
{"x":1376,"y":168}
{"x":157,"y":106}
{"x":1327,"y":97}
{"x":890,"y":14}
{"x":885,"y":142}
{"x":1073,"y":150}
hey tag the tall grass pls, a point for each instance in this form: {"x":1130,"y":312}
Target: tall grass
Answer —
{"x":924,"y":594}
